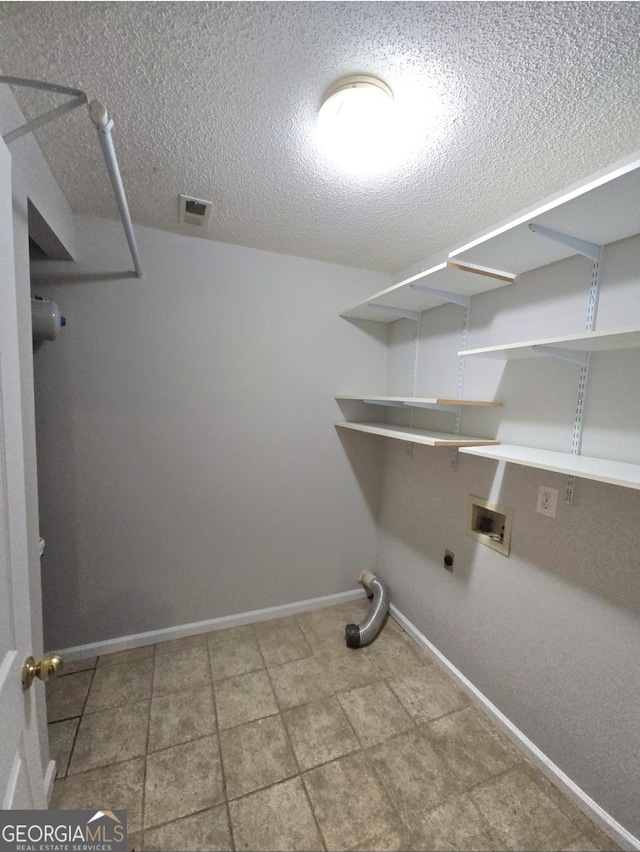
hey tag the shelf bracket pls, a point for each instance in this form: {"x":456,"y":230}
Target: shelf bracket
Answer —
{"x":445,"y":295}
{"x":438,"y":406}
{"x":590,"y":250}
{"x":399,"y":312}
{"x":576,"y":356}
{"x":386,"y":404}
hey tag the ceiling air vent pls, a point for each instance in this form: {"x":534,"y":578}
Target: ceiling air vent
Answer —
{"x":195,"y":211}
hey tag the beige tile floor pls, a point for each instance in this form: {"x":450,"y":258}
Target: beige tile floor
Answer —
{"x":275,"y":736}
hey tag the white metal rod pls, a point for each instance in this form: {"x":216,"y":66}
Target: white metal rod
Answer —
{"x":79,"y":98}
{"x":104,"y":124}
{"x":40,"y":84}
{"x":44,"y":119}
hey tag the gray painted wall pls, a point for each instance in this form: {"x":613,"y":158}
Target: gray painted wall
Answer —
{"x":188,"y":463}
{"x":550,"y":634}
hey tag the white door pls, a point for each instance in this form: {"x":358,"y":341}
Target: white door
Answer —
{"x":21,"y":777}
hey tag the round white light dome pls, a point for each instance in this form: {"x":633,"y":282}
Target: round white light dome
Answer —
{"x":356,"y":123}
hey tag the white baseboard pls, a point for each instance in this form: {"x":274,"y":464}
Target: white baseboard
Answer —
{"x":49,"y":778}
{"x":151,"y":637}
{"x":591,"y":808}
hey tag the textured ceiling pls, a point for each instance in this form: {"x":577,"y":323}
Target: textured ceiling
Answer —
{"x":219,"y":100}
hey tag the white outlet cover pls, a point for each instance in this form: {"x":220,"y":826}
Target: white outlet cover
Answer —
{"x":547,"y":501}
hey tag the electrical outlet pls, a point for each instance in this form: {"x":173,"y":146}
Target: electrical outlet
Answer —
{"x":547,"y":501}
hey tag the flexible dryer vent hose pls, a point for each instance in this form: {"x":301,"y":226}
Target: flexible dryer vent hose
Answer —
{"x":361,"y":634}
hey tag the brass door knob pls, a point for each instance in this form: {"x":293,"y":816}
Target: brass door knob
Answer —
{"x":43,"y":669}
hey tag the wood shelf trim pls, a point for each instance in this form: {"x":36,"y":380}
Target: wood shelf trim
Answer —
{"x":415,"y":436}
{"x":585,"y":467}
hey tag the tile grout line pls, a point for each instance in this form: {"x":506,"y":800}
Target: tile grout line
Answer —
{"x":336,"y":695}
{"x":240,"y":724}
{"x":80,"y":718}
{"x":222,"y":770}
{"x":491,"y":831}
{"x":295,"y":757}
{"x":143,"y":806}
{"x":366,"y":749}
{"x":241,"y":641}
{"x":486,"y":781}
{"x":185,"y":816}
{"x":155,"y":696}
{"x":106,"y":766}
{"x":534,"y":772}
{"x":306,"y":702}
{"x":387,"y":795}
{"x":424,"y":721}
{"x":139,"y":656}
{"x":182,"y":742}
{"x":465,"y":791}
{"x":417,"y":726}
{"x":77,"y":671}
{"x":526,"y":758}
{"x":363,"y":750}
{"x":114,"y":689}
{"x":233,"y":798}
{"x":371,"y":766}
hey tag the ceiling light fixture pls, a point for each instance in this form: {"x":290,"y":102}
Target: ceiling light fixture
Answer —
{"x":356,"y":123}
